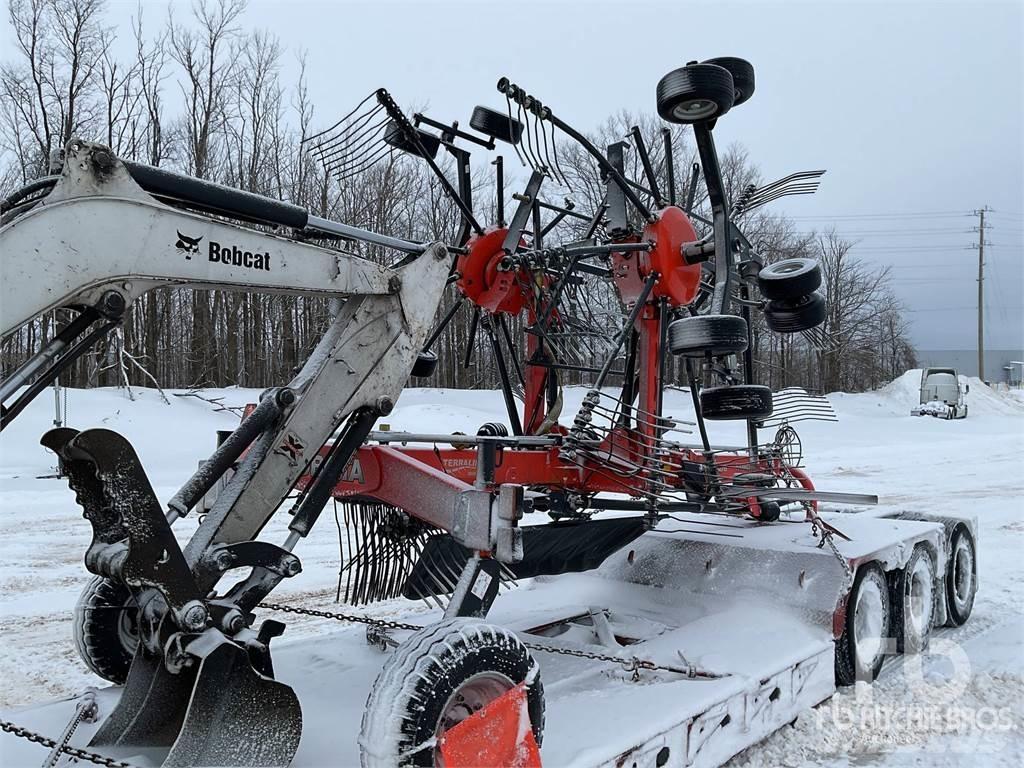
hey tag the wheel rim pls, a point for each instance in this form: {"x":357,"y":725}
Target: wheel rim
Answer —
{"x":474,"y":694}
{"x":963,"y":573}
{"x":919,"y":596}
{"x":695,"y":109}
{"x":868,"y":618}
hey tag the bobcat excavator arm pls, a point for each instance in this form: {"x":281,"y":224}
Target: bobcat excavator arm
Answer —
{"x":95,"y":243}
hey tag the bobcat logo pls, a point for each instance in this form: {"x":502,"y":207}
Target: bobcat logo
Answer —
{"x":187,"y":245}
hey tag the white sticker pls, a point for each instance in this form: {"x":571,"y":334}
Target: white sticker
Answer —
{"x":483,"y":581}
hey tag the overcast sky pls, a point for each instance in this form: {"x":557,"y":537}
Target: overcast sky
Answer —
{"x":915,"y":109}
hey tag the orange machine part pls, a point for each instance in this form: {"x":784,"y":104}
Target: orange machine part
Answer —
{"x":482,"y":282}
{"x":498,"y":734}
{"x":679,"y":281}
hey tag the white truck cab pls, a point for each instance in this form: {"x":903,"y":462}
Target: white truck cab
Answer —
{"x":942,"y":394}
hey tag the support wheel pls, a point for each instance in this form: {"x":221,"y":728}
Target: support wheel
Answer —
{"x":795,"y":315}
{"x":739,"y":401}
{"x":789,"y":279}
{"x":742,"y":72}
{"x":105,"y":628}
{"x":695,"y":93}
{"x":425,"y":365}
{"x":717,"y":335}
{"x":961,"y":576}
{"x":394,"y":136}
{"x":496,"y":125}
{"x":436,"y":679}
{"x":860,"y":650}
{"x":913,"y":601}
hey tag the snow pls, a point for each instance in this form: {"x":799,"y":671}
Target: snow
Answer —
{"x":959,"y":704}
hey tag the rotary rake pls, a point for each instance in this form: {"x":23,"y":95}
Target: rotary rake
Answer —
{"x":644,"y":548}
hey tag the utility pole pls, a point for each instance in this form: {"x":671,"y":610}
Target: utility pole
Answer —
{"x":981,"y":290}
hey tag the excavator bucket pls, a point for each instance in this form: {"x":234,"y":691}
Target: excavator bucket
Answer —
{"x":194,"y":696}
{"x":223,"y":714}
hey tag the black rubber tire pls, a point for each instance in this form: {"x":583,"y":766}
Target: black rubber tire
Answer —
{"x":394,"y":136}
{"x":739,"y":401}
{"x":425,"y":365}
{"x":695,"y":93}
{"x":909,"y":638}
{"x":742,"y":72}
{"x":789,"y":279}
{"x":493,"y":429}
{"x":496,"y":124}
{"x":718,"y":334}
{"x":849,"y":668}
{"x":103,"y":615}
{"x":959,"y":611}
{"x":413,"y":689}
{"x":795,"y":315}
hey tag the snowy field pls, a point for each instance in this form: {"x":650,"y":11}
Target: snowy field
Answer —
{"x":959,"y":705}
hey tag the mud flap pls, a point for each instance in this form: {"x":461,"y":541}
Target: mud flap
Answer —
{"x":223,"y":714}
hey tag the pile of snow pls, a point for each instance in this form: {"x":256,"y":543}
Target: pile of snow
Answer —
{"x":903,"y":393}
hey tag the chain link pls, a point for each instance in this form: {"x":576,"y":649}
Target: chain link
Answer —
{"x":631,"y":664}
{"x":80,"y":754}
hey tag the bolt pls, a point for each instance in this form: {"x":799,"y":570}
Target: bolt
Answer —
{"x":194,"y":617}
{"x":224,"y":559}
{"x":286,"y":397}
{"x":233,"y":622}
{"x":385,"y":405}
{"x":292,"y":566}
{"x":103,"y":160}
{"x":394,"y":284}
{"x":112,"y":304}
{"x":440,"y":252}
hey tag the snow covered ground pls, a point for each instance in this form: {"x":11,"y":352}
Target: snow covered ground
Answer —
{"x":959,"y":705}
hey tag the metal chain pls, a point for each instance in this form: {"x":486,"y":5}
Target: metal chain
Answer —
{"x":632,"y":664}
{"x":382,"y":623}
{"x":80,"y":754}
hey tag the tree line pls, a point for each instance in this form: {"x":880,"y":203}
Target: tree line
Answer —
{"x":205,"y":94}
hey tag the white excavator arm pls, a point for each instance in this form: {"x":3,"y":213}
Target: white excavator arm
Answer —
{"x":105,"y":233}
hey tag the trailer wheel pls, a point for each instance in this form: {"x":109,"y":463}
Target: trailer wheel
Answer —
{"x":105,"y":628}
{"x":695,"y":93}
{"x":394,"y":136}
{"x":789,"y":279}
{"x":742,"y":72}
{"x":795,"y":315}
{"x":440,"y":676}
{"x":739,"y":401}
{"x":860,"y":650}
{"x":961,"y":576}
{"x":699,"y":335}
{"x":913,"y":601}
{"x":496,"y":124}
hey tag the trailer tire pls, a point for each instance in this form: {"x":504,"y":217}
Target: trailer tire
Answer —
{"x":961,"y":575}
{"x":433,"y":680}
{"x":496,"y":124}
{"x":739,"y":401}
{"x":717,"y":335}
{"x":742,"y":72}
{"x":860,"y":650}
{"x":913,"y":601}
{"x":105,"y":630}
{"x":789,"y":279}
{"x":795,"y":315}
{"x":695,"y":93}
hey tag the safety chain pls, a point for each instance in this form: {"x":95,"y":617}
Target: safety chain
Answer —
{"x":381,"y":623}
{"x":826,"y":538}
{"x":632,"y":664}
{"x":80,"y":754}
